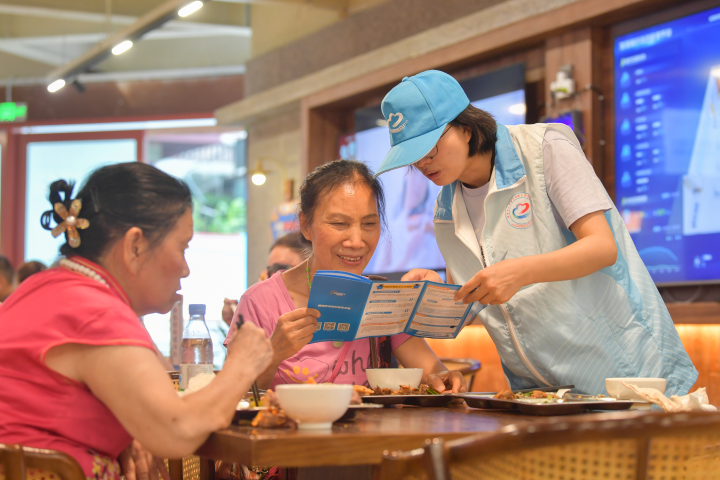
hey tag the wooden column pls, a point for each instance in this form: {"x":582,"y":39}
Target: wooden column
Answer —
{"x":10,"y":236}
{"x":320,"y":128}
{"x":580,"y":48}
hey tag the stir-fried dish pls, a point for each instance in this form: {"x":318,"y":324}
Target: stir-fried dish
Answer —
{"x":403,"y":390}
{"x":510,"y":395}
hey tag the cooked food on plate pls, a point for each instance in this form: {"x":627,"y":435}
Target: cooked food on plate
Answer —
{"x":272,"y":417}
{"x":509,"y":395}
{"x":362,"y":390}
{"x":404,"y":390}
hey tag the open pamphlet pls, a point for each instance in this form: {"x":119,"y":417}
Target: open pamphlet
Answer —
{"x":352,"y":307}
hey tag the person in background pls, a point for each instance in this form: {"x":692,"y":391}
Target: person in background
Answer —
{"x":342,"y":209}
{"x":82,"y":376}
{"x":291,"y":249}
{"x":7,"y":278}
{"x":29,"y":268}
{"x":287,"y":251}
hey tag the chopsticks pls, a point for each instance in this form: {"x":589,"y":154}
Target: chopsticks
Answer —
{"x":255,"y":392}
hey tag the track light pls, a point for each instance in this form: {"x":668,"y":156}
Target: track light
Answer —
{"x":190,"y":8}
{"x":56,"y":85}
{"x":122,"y":47}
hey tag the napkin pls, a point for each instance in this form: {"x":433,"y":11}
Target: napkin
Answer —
{"x":696,"y":401}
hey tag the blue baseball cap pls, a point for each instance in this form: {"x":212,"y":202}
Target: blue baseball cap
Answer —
{"x":417,"y":111}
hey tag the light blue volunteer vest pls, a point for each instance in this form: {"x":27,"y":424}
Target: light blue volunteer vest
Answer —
{"x":612,"y":323}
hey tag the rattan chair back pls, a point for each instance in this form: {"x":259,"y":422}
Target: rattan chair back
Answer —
{"x":21,"y":463}
{"x":610,"y":446}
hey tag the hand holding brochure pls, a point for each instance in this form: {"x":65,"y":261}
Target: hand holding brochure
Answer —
{"x":352,"y":307}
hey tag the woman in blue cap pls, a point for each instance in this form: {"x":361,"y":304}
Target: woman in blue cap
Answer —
{"x":527,"y":228}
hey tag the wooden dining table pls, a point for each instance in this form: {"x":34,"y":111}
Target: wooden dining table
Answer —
{"x":353,"y":448}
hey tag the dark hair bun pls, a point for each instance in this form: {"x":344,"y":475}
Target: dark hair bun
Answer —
{"x":116,"y":198}
{"x":56,"y":188}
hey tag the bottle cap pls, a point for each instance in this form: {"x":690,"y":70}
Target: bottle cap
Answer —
{"x":196,"y":309}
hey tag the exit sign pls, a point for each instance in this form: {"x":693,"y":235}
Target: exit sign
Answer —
{"x":13,"y":112}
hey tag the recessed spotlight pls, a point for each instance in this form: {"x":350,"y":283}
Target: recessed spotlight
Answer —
{"x":56,"y":85}
{"x":190,"y":8}
{"x":122,"y":47}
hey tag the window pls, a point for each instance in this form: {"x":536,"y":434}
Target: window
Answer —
{"x":213,"y":165}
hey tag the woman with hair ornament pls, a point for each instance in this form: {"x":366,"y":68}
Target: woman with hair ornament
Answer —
{"x":79,"y":372}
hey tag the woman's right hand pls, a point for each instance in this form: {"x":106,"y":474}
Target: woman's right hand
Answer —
{"x":293,"y":331}
{"x":137,"y":463}
{"x":251,"y":347}
{"x":420,"y":274}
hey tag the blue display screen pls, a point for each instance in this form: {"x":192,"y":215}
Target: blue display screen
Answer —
{"x":667,"y":145}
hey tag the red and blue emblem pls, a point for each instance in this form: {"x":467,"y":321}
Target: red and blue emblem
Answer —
{"x":519,"y":211}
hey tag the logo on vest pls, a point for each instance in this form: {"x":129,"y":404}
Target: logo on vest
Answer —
{"x":519,"y":211}
{"x":396,"y":126}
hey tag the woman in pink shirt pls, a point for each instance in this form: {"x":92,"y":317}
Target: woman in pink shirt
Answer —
{"x":79,"y":373}
{"x":341,"y":213}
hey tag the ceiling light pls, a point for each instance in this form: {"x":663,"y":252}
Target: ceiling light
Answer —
{"x":715,"y":72}
{"x":56,"y":85}
{"x":122,"y":47}
{"x":517,"y":109}
{"x":190,"y":8}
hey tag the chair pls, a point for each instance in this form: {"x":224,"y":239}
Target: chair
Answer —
{"x":467,"y":366}
{"x":21,"y":463}
{"x":610,"y":446}
{"x":191,"y":467}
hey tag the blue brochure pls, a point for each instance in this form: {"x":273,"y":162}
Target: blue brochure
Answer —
{"x":353,"y":307}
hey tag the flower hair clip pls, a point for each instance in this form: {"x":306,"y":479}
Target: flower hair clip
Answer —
{"x":70,"y":222}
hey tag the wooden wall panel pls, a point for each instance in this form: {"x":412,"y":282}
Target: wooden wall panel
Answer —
{"x":321,"y":125}
{"x":580,"y":48}
{"x":129,"y":99}
{"x":702,"y":343}
{"x":474,"y":342}
{"x":319,"y":130}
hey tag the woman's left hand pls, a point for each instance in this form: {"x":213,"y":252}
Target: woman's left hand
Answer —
{"x":495,"y":284}
{"x":420,"y":274}
{"x":137,"y":463}
{"x":452,"y":380}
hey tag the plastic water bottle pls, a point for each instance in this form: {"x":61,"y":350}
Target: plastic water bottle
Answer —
{"x":196,"y":348}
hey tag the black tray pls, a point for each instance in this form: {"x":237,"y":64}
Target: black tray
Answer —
{"x":417,"y":400}
{"x":248,"y":414}
{"x":567,"y":407}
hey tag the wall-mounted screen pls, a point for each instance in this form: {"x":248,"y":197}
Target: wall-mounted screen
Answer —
{"x":667,"y":145}
{"x":410,"y":197}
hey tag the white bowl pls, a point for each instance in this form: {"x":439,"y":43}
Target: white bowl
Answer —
{"x":314,"y":407}
{"x":616,"y":389}
{"x":394,"y":377}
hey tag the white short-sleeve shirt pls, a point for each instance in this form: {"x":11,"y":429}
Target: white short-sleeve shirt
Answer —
{"x":572,"y":185}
